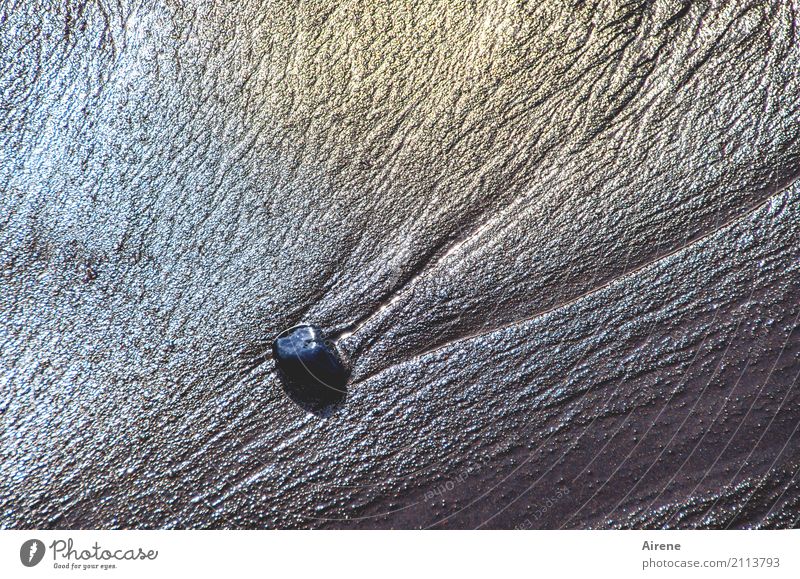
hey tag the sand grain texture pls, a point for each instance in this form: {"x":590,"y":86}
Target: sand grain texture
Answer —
{"x":560,"y":242}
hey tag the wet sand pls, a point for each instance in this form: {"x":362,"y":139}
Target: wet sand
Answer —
{"x":558,"y":244}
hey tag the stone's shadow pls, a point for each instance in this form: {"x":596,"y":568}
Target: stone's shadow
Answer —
{"x":311,"y":370}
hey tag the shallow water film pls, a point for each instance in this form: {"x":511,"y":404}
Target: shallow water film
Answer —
{"x":556,"y":243}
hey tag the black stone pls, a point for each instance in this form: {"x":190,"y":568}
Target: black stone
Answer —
{"x":311,"y":369}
